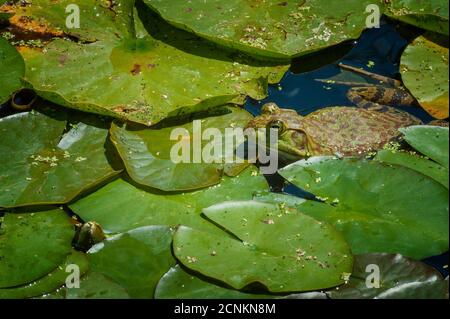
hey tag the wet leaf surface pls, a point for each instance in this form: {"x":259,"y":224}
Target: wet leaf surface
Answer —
{"x":275,"y":246}
{"x":32,"y":245}
{"x":424,"y":69}
{"x":136,"y":260}
{"x":12,"y":68}
{"x":45,"y":160}
{"x":400,"y":278}
{"x":149,"y":157}
{"x":120,"y":206}
{"x":377,"y":207}
{"x":271,"y":29}
{"x":144,"y":72}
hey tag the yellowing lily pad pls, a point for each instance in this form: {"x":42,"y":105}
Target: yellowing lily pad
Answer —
{"x":424,"y":69}
{"x":136,"y":260}
{"x":432,"y":141}
{"x":270,"y":28}
{"x":275,"y":246}
{"x":120,"y":206}
{"x":142,"y":72}
{"x":149,"y":154}
{"x":379,"y":208}
{"x":33,"y":245}
{"x":43,"y":164}
{"x":12,"y":69}
{"x":430,"y":15}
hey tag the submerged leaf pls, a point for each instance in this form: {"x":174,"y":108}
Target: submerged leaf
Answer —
{"x":277,"y":247}
{"x":144,"y":72}
{"x":32,"y":245}
{"x":377,"y":207}
{"x":120,"y":206}
{"x":12,"y":69}
{"x":385,"y":276}
{"x":270,"y":28}
{"x":136,"y":260}
{"x":424,"y":69}
{"x":149,"y":154}
{"x":43,"y":164}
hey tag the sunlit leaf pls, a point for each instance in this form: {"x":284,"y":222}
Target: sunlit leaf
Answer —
{"x":424,"y":69}
{"x":144,"y":72}
{"x":275,"y":246}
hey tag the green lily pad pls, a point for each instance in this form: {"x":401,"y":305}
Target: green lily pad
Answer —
{"x":432,"y":141}
{"x":141,"y":73}
{"x":12,"y":69}
{"x":377,"y":207}
{"x":97,"y":286}
{"x":120,"y":206}
{"x":275,"y":246}
{"x":424,"y":69}
{"x":179,"y":284}
{"x":50,"y":282}
{"x":136,"y":260}
{"x":271,"y":28}
{"x":147,"y":153}
{"x":43,"y":164}
{"x":400,"y":278}
{"x":430,"y":15}
{"x":32,"y":245}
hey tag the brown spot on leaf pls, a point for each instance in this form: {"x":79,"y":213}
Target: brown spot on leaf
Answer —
{"x":136,"y":70}
{"x":283,"y":4}
{"x":151,"y":66}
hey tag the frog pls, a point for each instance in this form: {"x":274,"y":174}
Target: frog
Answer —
{"x":369,"y":125}
{"x":88,"y":235}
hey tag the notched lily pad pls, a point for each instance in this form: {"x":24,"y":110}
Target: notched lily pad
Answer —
{"x":136,"y":260}
{"x":424,"y":69}
{"x":275,"y":246}
{"x":33,"y":245}
{"x":48,"y":160}
{"x":120,"y":206}
{"x":142,"y":72}
{"x":272,"y":28}
{"x":150,"y":155}
{"x":379,"y":208}
{"x":385,"y":276}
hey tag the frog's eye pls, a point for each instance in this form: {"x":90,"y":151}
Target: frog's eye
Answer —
{"x":278,"y":125}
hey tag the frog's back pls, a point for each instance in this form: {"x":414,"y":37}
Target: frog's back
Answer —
{"x":353,"y":131}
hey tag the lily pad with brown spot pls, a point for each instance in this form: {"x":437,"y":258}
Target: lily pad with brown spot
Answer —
{"x":141,"y":71}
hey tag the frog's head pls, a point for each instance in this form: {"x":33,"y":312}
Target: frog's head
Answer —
{"x":292,"y":140}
